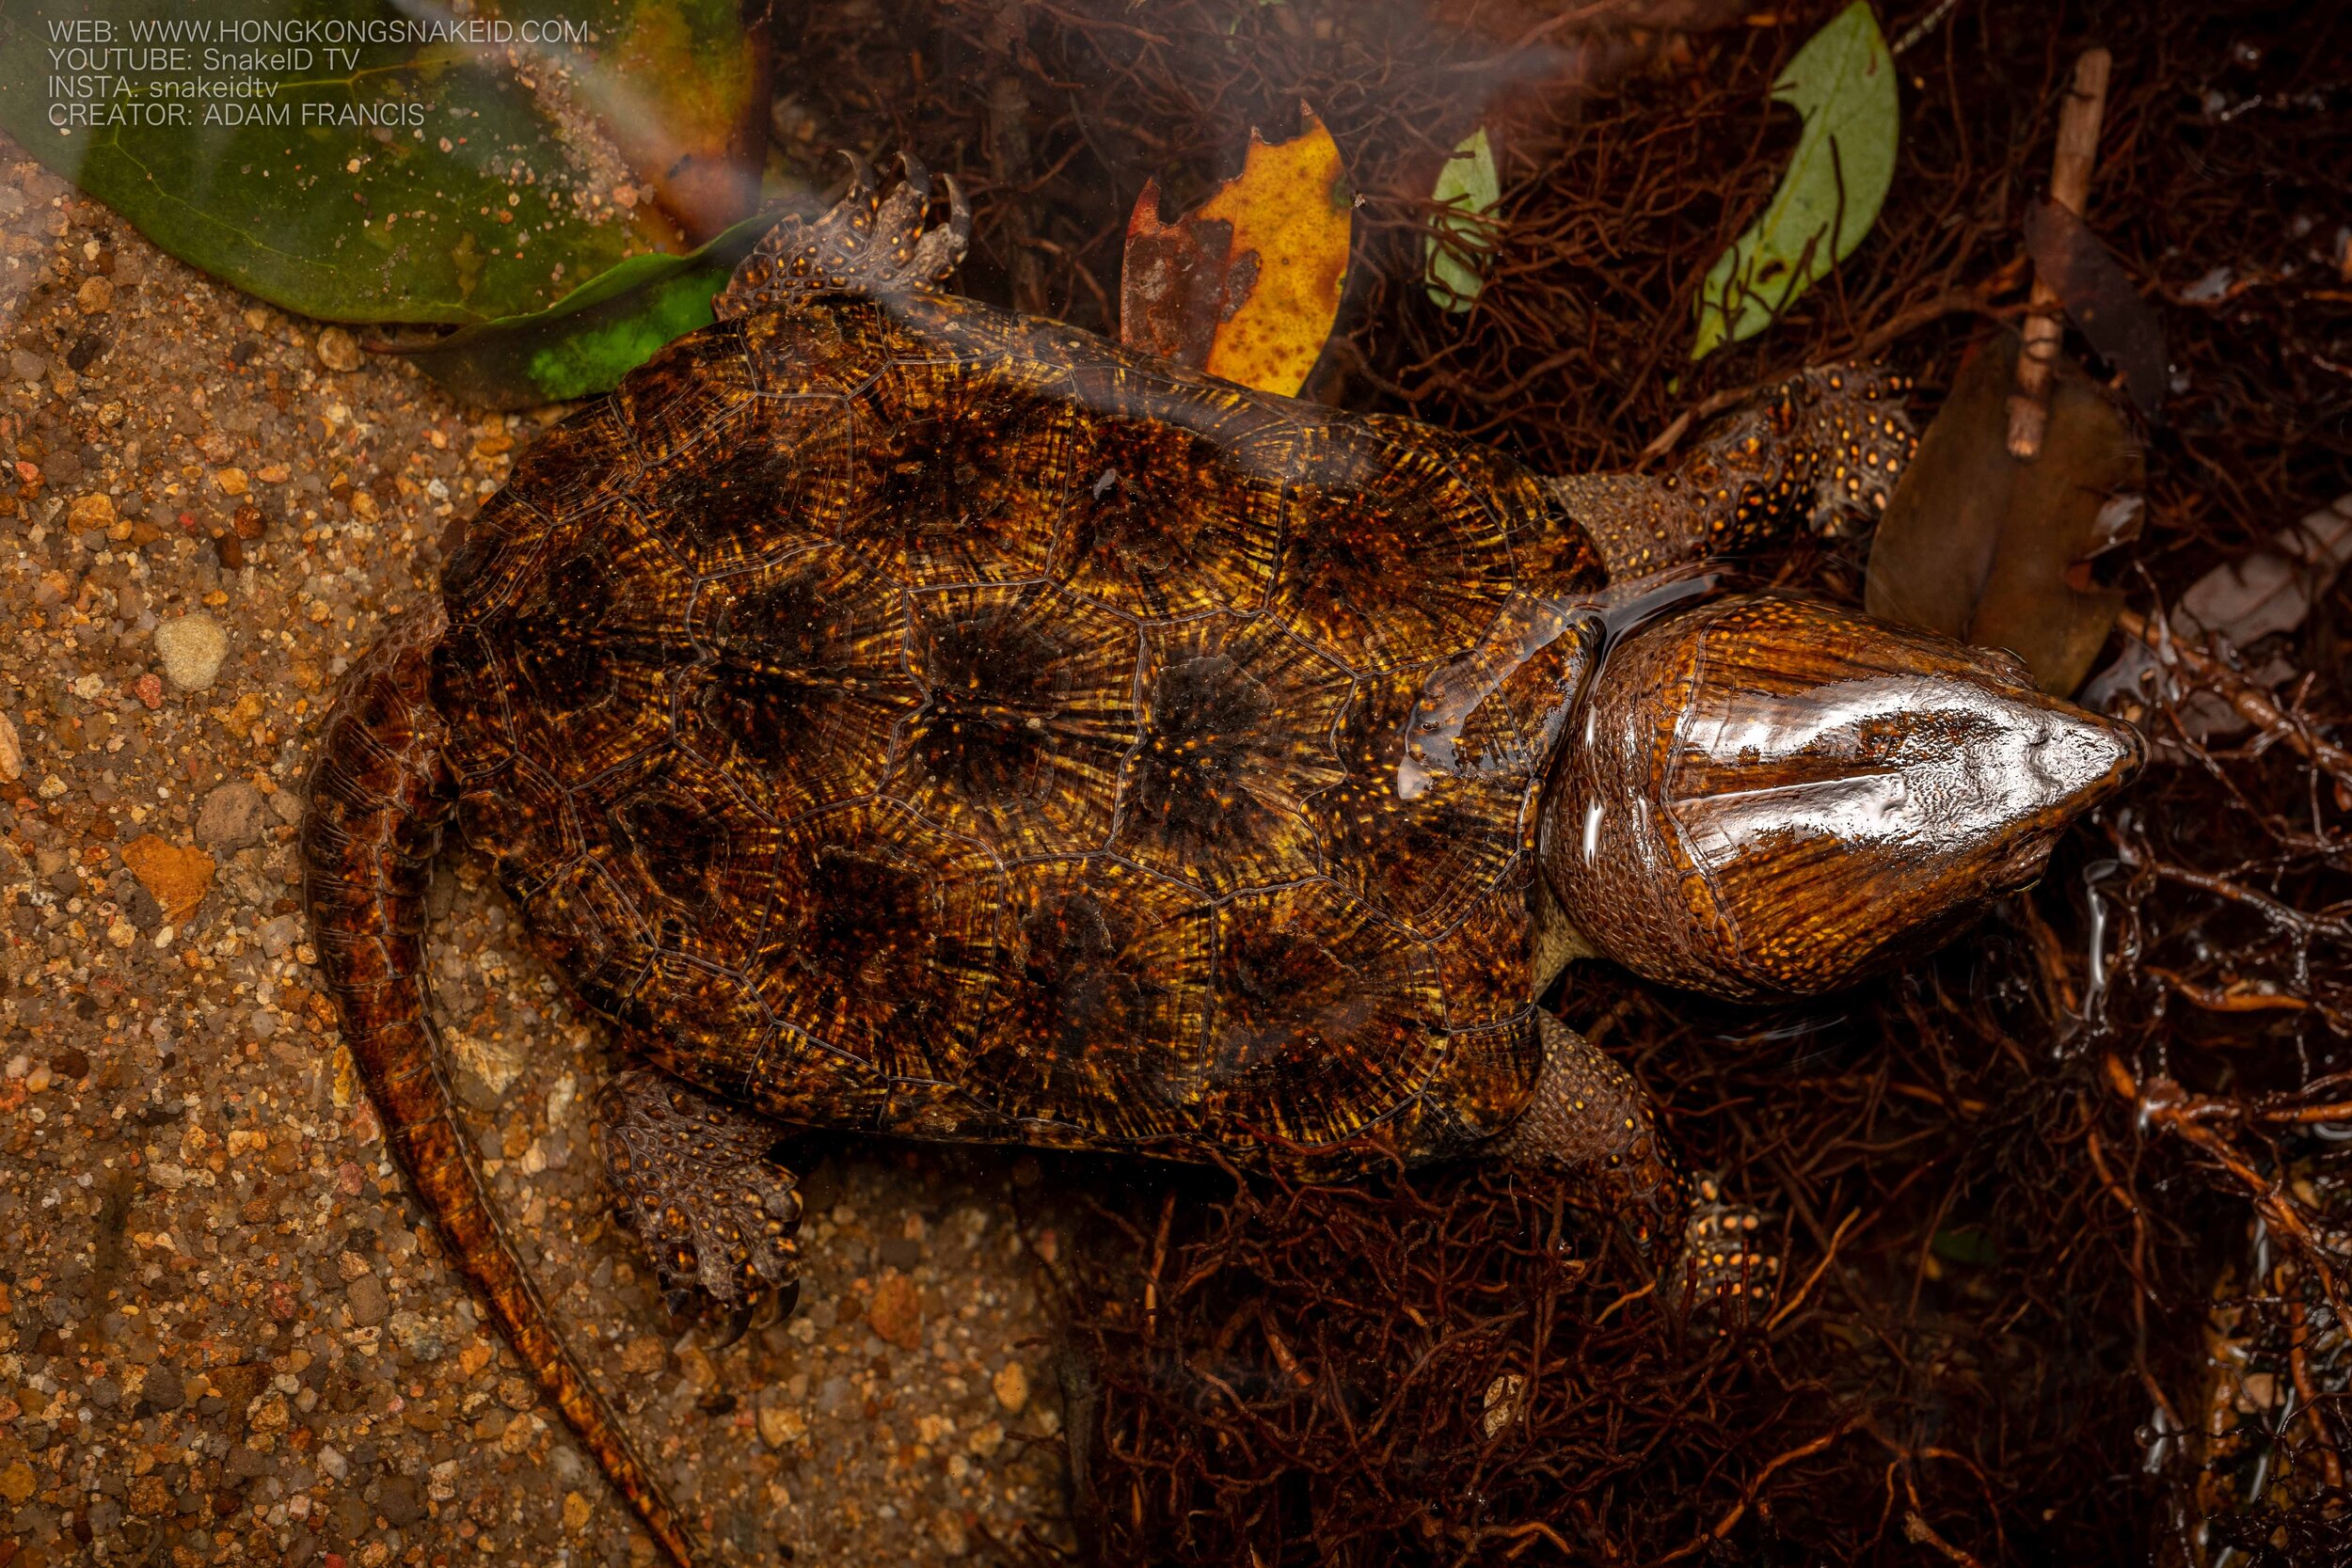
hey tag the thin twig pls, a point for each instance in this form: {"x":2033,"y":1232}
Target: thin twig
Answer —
{"x":2070,"y":187}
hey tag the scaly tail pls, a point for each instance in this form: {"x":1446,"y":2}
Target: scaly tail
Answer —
{"x":380,"y":798}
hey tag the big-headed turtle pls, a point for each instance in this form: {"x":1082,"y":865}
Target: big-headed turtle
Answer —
{"x":896,"y":714}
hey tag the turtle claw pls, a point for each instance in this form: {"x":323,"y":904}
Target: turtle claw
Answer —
{"x":862,"y":190}
{"x":738,"y":1319}
{"x":940,"y":252}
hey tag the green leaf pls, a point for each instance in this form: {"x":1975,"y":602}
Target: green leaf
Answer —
{"x":1843,"y":83}
{"x":592,"y":337}
{"x":416,"y":180}
{"x":1965,"y":1244}
{"x":1461,"y":238}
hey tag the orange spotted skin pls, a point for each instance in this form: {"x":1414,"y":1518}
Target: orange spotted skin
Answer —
{"x":900,"y":716}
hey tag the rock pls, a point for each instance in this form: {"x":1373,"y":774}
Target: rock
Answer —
{"x":399,"y":1500}
{"x":416,"y":1335}
{"x":1011,"y":1386}
{"x":96,"y":297}
{"x":192,"y":646}
{"x":896,"y":1313}
{"x":162,"y":1388}
{"x":232,"y":817}
{"x":337,"y":349}
{"x":231,"y":480}
{"x":88,"y":511}
{"x":11,"y":751}
{"x":279,"y":933}
{"x":781,"y":1423}
{"x":368,"y":1303}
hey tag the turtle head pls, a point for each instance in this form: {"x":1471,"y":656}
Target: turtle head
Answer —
{"x":1770,"y":797}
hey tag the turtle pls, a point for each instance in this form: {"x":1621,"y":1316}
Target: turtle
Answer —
{"x":893,"y":714}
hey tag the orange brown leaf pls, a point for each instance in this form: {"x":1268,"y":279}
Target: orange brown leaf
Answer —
{"x":1247,"y":287}
{"x":177,"y":876}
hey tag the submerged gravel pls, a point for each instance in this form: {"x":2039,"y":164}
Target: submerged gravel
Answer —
{"x":226,"y":1333}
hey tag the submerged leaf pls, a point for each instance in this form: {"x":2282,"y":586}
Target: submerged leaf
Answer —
{"x":1981,"y":546}
{"x":1247,"y":287}
{"x":1460,"y":240}
{"x":1843,"y":83}
{"x":2245,"y":602}
{"x":585,"y":342}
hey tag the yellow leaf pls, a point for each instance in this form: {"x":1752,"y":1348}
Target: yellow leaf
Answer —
{"x":1249,"y":287}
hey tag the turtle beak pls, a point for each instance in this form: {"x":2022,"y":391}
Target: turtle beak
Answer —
{"x":1835,"y":793}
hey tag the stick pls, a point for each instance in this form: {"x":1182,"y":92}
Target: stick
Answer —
{"x":2085,"y":106}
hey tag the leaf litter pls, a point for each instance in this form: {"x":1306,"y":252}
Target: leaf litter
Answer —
{"x":1980,"y":545}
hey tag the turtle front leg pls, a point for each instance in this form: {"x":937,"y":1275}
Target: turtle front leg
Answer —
{"x":866,"y":244}
{"x":1590,"y":1117}
{"x":694,"y":1182}
{"x":1824,"y":446}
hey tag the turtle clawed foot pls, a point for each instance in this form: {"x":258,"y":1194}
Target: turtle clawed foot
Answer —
{"x":869,"y":243}
{"x":694,"y":1184}
{"x":1724,"y":1267}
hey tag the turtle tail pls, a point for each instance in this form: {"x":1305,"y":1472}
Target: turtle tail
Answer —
{"x":380,"y":796}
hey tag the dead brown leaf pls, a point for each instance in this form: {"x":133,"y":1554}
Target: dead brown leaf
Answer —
{"x":176,"y":875}
{"x":1998,"y":552}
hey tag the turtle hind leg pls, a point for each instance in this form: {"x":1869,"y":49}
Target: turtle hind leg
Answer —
{"x":1726,"y":1263}
{"x":694,"y":1180}
{"x":1821,"y":450}
{"x":866,"y":244}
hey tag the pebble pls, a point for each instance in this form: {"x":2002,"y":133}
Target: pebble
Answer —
{"x":11,"y":751}
{"x":192,"y":647}
{"x":337,"y":349}
{"x":416,"y":1334}
{"x":1012,"y":1387}
{"x":370,"y":1306}
{"x":897,"y":1312}
{"x":232,"y":817}
{"x":88,"y":511}
{"x":279,"y":933}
